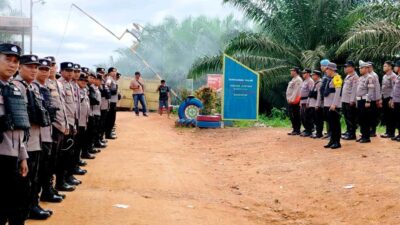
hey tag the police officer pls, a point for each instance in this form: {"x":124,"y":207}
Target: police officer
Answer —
{"x":13,"y":153}
{"x":77,"y":151}
{"x":64,"y":179}
{"x":377,"y":97}
{"x":332,"y":101}
{"x":104,"y":106}
{"x":395,"y":101}
{"x":46,"y":168}
{"x":325,"y":80}
{"x":91,"y":131}
{"x":388,"y":81}
{"x":314,"y":102}
{"x":349,"y":101}
{"x":38,"y":118}
{"x":59,"y":129}
{"x":112,"y":113}
{"x":305,"y":110}
{"x":366,"y":91}
{"x":95,"y":105}
{"x":83,"y":115}
{"x":293,"y":100}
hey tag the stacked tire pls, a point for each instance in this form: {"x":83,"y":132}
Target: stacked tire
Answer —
{"x":188,"y":111}
{"x":209,"y":121}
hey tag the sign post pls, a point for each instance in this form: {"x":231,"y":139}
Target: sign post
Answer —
{"x":240,"y":92}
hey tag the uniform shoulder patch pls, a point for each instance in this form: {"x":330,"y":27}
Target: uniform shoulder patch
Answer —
{"x":337,"y":81}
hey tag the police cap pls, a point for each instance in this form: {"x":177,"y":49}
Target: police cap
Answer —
{"x":52,"y":59}
{"x":66,"y":66}
{"x":350,"y":64}
{"x":83,"y":77}
{"x":10,"y":49}
{"x":29,"y":60}
{"x":44,"y":63}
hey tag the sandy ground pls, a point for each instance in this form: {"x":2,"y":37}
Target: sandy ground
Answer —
{"x":171,"y":176}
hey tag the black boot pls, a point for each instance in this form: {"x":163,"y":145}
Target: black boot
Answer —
{"x":82,"y":163}
{"x":65,"y":187}
{"x":328,"y":145}
{"x":336,"y":145}
{"x":46,"y":210}
{"x":71,"y":180}
{"x":63,"y":196}
{"x":48,"y":195}
{"x":79,"y":171}
{"x":37,"y":214}
{"x":87,"y":156}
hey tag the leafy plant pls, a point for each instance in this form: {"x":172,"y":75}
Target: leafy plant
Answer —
{"x":209,"y":97}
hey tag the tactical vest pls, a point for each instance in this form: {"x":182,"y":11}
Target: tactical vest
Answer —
{"x":16,"y":116}
{"x":46,"y":102}
{"x":314,"y":93}
{"x":105,"y":92}
{"x":92,"y":96}
{"x":37,"y":113}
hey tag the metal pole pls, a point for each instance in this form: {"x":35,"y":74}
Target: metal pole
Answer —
{"x":31,"y":38}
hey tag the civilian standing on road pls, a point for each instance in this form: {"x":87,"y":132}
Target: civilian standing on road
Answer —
{"x":137,"y":86}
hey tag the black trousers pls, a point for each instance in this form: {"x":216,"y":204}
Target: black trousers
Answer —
{"x":294,"y":115}
{"x":111,"y":117}
{"x":103,"y":122}
{"x":65,"y":162}
{"x":31,"y":182}
{"x":397,"y":117}
{"x":79,"y":145}
{"x":92,"y":133}
{"x":307,"y":118}
{"x":10,"y":204}
{"x":89,"y":135}
{"x":57,"y":166}
{"x":364,"y":115}
{"x":45,"y":169}
{"x":375,"y":111}
{"x":318,"y":115}
{"x":388,"y":117}
{"x":326,"y":119}
{"x":335,"y":126}
{"x":350,"y":117}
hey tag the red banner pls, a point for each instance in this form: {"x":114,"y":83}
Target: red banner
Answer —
{"x":214,"y":81}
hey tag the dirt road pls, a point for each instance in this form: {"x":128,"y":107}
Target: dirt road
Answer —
{"x":171,"y":176}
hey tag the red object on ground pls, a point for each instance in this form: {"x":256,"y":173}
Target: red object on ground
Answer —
{"x":212,"y":118}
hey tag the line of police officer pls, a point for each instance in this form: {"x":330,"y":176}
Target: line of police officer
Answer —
{"x":47,"y":126}
{"x":322,"y":96}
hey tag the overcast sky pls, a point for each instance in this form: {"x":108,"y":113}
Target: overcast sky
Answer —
{"x":87,"y":43}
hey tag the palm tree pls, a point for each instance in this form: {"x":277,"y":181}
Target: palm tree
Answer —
{"x":172,"y":46}
{"x":294,"y":33}
{"x":375,"y":34}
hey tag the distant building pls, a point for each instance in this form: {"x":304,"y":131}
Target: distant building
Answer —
{"x":14,"y":29}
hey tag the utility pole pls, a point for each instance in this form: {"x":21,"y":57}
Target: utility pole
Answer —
{"x":31,"y":36}
{"x":31,"y":17}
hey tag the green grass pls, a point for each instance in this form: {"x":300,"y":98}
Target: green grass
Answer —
{"x":279,"y":119}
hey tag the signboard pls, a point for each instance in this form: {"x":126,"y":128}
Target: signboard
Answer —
{"x":241,"y":91}
{"x":214,"y":81}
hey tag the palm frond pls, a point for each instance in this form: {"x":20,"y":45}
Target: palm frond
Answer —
{"x":371,"y":34}
{"x":311,"y":58}
{"x":259,"y":11}
{"x":206,"y":65}
{"x":258,"y":44}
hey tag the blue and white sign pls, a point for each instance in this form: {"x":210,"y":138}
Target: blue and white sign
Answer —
{"x":241,"y":91}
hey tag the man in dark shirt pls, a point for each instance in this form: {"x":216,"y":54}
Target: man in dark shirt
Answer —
{"x":163,"y":89}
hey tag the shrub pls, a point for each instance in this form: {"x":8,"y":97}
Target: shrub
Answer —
{"x":209,"y":97}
